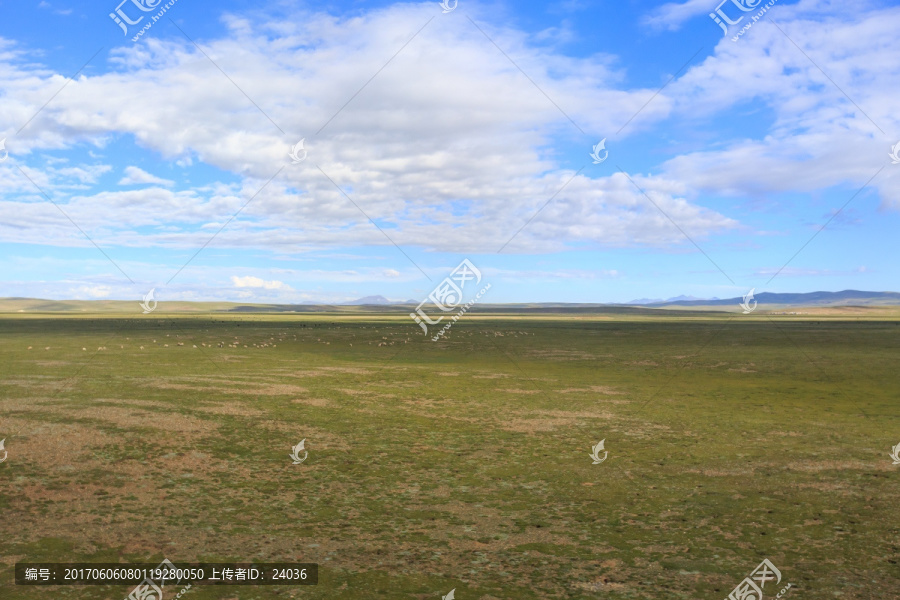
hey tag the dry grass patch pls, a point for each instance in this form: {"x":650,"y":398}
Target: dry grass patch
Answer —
{"x":722,"y":472}
{"x":54,"y":445}
{"x":596,"y":389}
{"x":131,"y":417}
{"x":231,"y":409}
{"x":237,"y":387}
{"x":548,"y":420}
{"x":317,"y":402}
{"x":833,"y":465}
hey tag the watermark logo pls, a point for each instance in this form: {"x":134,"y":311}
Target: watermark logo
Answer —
{"x":601,"y":147}
{"x":148,"y":588}
{"x":751,"y":588}
{"x":895,"y":154}
{"x":4,"y":154}
{"x":721,"y":18}
{"x":448,"y":296}
{"x":297,"y":153}
{"x":748,"y":297}
{"x":895,"y":454}
{"x":122,"y":19}
{"x":450,"y":596}
{"x":301,"y":447}
{"x":148,"y":301}
{"x":595,"y":452}
{"x":5,"y":453}
{"x":447,"y":8}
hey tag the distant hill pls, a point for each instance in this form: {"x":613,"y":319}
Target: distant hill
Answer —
{"x":377,"y":300}
{"x":767,"y":301}
{"x":811,"y":299}
{"x":643,"y":301}
{"x":37,"y":307}
{"x":368,"y":300}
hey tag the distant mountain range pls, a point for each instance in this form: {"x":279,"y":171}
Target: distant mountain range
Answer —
{"x":844,"y":298}
{"x":370,"y":300}
{"x":642,"y":301}
{"x":767,"y":301}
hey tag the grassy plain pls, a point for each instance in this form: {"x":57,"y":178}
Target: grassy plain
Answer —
{"x":462,"y":463}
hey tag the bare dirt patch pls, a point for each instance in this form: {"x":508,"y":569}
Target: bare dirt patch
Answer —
{"x":549,"y":420}
{"x":597,"y":389}
{"x":238,"y":387}
{"x":828,"y":465}
{"x":318,"y":402}
{"x":231,"y":409}
{"x":131,"y":417}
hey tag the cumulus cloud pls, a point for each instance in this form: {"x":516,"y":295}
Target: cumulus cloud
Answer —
{"x":672,"y":15}
{"x":136,"y":175}
{"x":255,"y":282}
{"x":445,"y":150}
{"x":820,"y":129}
{"x":94,"y":292}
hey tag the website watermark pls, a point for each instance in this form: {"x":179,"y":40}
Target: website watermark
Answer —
{"x":149,"y":304}
{"x":895,"y":154}
{"x":123,"y":19}
{"x":298,"y":152}
{"x":595,"y":452}
{"x":751,"y":588}
{"x":723,"y":18}
{"x":151,"y":587}
{"x":600,"y":147}
{"x":746,"y":304}
{"x":296,"y":450}
{"x":448,"y":296}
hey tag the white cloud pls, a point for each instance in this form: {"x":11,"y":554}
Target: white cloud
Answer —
{"x":94,"y":292}
{"x":446,"y":150}
{"x":255,"y":282}
{"x":136,"y":175}
{"x":813,"y":137}
{"x":673,"y":14}
{"x":434,"y":129}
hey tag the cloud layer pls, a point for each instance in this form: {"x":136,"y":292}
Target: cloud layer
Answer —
{"x":449,"y":148}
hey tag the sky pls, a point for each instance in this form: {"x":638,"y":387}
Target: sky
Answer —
{"x":572,"y":151}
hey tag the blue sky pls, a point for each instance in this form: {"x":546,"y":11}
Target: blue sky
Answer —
{"x":431,"y":137}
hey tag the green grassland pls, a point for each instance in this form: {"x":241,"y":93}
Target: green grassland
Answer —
{"x":462,"y":463}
